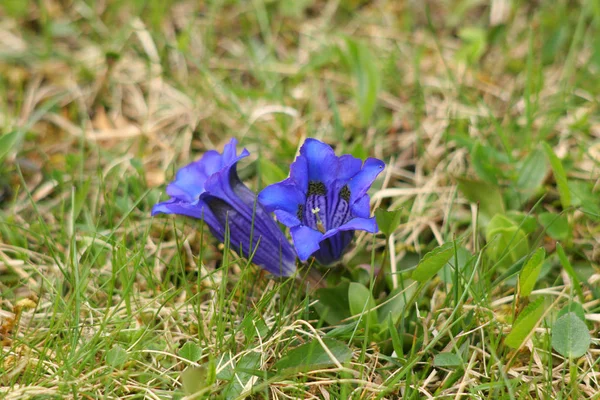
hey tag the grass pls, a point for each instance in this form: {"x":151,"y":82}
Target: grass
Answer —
{"x":486,"y":116}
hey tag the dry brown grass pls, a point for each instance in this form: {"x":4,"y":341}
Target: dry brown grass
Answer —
{"x":109,"y":103}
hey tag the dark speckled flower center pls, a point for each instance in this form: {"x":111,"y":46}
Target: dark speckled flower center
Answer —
{"x":315,"y":208}
{"x":322,"y":212}
{"x":341,"y":213}
{"x":345,"y":193}
{"x":300,"y":212}
{"x":324,"y":200}
{"x":317,"y":189}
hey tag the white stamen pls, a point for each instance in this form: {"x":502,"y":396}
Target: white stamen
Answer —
{"x":320,"y":226}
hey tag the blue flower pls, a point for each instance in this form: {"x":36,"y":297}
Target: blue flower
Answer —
{"x":324,"y":200}
{"x":210,"y":189}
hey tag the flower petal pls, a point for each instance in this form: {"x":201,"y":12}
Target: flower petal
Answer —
{"x":198,"y":210}
{"x":355,"y":224}
{"x":306,"y":241}
{"x":360,"y":183}
{"x":230,"y":151}
{"x":189,"y":181}
{"x":210,"y":189}
{"x":211,"y":162}
{"x":362,"y":207}
{"x":299,"y":173}
{"x":226,"y":185}
{"x":332,"y":248}
{"x":272,"y":253}
{"x":322,"y":161}
{"x":287,"y":218}
{"x":283,"y":196}
{"x":348,"y":167}
{"x":334,"y":242}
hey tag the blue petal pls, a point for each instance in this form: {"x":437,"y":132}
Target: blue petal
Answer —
{"x":340,"y":214}
{"x":360,"y":183}
{"x":284,"y":198}
{"x":210,"y":189}
{"x":322,"y":161}
{"x":174,"y":206}
{"x":286,"y":218}
{"x":230,"y":151}
{"x":316,"y":211}
{"x":198,"y":210}
{"x":189,"y":181}
{"x":333,"y":248}
{"x":361,"y":207}
{"x":348,"y":167}
{"x":262,"y":219}
{"x":226,"y":186}
{"x":299,"y":173}
{"x":272,"y":253}
{"x":334,"y":242}
{"x":251,"y":218}
{"x":211,"y":162}
{"x":355,"y":224}
{"x":306,"y":241}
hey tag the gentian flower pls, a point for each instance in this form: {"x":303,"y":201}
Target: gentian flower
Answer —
{"x":324,"y":200}
{"x":210,"y":189}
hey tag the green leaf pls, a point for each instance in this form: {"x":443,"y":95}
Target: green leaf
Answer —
{"x":557,"y":225}
{"x":388,"y":221}
{"x":270,"y":172}
{"x":531,"y":174}
{"x":190,"y":351}
{"x":583,"y":196}
{"x":393,"y":331}
{"x":245,"y":370}
{"x":312,"y":355}
{"x":506,"y":242}
{"x":530,"y":272}
{"x":573,"y":307}
{"x":227,"y":371}
{"x":361,"y":62}
{"x":499,"y":222}
{"x":527,"y":223}
{"x":253,"y":325}
{"x":361,"y":303}
{"x":525,"y":323}
{"x":570,"y":336}
{"x":447,"y":359}
{"x":333,"y":303}
{"x":7,"y":142}
{"x":463,"y":257}
{"x":486,"y":195}
{"x":395,"y":303}
{"x":433,"y":262}
{"x":507,"y":246}
{"x":343,"y":332}
{"x":194,"y":379}
{"x":570,"y":271}
{"x":482,"y":158}
{"x":116,"y":356}
{"x":559,"y":176}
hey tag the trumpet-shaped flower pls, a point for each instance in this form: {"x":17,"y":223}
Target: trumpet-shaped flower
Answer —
{"x":324,"y":200}
{"x":210,"y":189}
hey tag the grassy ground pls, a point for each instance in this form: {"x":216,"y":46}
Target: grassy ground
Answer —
{"x":486,"y":115}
